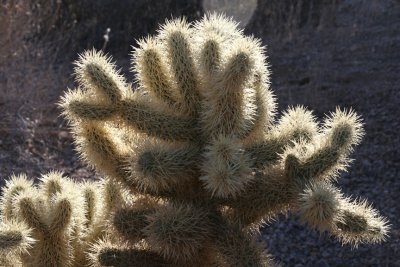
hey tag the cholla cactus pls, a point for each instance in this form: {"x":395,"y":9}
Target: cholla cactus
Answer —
{"x":198,"y":148}
{"x":53,"y":224}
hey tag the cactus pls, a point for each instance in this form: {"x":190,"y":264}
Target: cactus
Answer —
{"x":54,"y":223}
{"x":201,"y":158}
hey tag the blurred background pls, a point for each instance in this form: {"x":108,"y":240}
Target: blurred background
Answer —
{"x":322,"y":54}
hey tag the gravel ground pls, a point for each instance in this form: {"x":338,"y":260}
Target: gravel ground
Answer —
{"x":355,"y":63}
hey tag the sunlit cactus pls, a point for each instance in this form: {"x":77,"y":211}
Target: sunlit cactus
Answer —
{"x":54,"y":223}
{"x":201,"y":158}
{"x":198,"y":143}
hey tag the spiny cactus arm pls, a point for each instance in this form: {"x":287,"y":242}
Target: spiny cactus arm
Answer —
{"x":91,"y":111}
{"x":213,"y":35}
{"x":52,"y":252}
{"x":318,"y":205}
{"x":131,"y":224}
{"x":93,"y":222}
{"x":63,"y":238}
{"x":357,"y":222}
{"x":51,"y":230}
{"x":226,"y":168}
{"x":52,"y":211}
{"x":176,"y":35}
{"x":178,"y":232}
{"x":100,"y":148}
{"x":15,"y":238}
{"x":227,"y":103}
{"x":64,"y":200}
{"x":270,"y":193}
{"x":158,"y":123}
{"x":245,"y":97}
{"x":10,"y":260}
{"x":266,"y":152}
{"x":62,"y":215}
{"x":98,"y":100}
{"x":112,"y":195}
{"x":342,"y":131}
{"x":241,"y":250}
{"x":52,"y":248}
{"x":32,"y":207}
{"x":55,"y":247}
{"x":15,"y":185}
{"x":27,"y":210}
{"x":324,"y":208}
{"x":120,"y":254}
{"x":134,"y":113}
{"x":160,"y":166}
{"x":129,"y":221}
{"x":10,"y":240}
{"x":80,"y":104}
{"x":209,"y":56}
{"x":152,"y":72}
{"x":88,"y":220}
{"x":236,"y":246}
{"x":264,"y":110}
{"x":96,"y":146}
{"x":91,"y":203}
{"x":302,"y":164}
{"x":97,"y":73}
{"x":296,"y":124}
{"x":52,"y":184}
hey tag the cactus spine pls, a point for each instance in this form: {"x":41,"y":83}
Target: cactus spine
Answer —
{"x":198,"y":149}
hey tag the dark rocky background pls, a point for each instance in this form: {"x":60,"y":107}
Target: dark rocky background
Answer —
{"x":323,"y":54}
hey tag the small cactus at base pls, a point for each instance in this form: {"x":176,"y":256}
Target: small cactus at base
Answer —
{"x":202,"y":161}
{"x":53,"y":223}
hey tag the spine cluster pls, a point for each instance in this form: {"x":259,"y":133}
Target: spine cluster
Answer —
{"x":200,"y":157}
